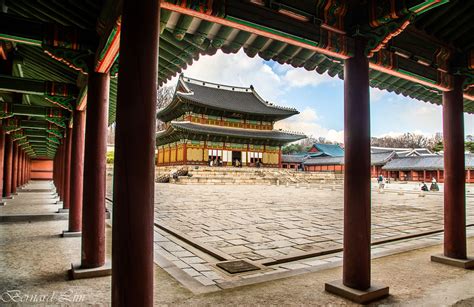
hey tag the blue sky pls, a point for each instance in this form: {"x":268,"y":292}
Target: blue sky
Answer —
{"x":319,"y":98}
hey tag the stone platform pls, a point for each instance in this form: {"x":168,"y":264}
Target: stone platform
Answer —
{"x":250,"y":175}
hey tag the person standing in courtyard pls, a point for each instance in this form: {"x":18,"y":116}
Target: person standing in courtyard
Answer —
{"x":380,"y":181}
{"x":434,"y":185}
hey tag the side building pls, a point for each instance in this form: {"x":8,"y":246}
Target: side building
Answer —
{"x":398,"y":164}
{"x":228,"y":125}
{"x":424,"y":168}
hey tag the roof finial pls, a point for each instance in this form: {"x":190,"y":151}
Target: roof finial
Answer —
{"x":251,"y":87}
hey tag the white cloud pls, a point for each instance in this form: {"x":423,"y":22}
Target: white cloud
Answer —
{"x":413,"y":115}
{"x":270,"y":81}
{"x":307,"y":122}
{"x":273,"y":82}
{"x":376,"y":94}
{"x":239,"y":70}
{"x":300,"y":77}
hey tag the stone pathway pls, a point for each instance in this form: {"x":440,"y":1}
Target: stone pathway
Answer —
{"x":41,"y":199}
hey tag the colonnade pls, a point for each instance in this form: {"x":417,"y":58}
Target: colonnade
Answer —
{"x":80,"y":167}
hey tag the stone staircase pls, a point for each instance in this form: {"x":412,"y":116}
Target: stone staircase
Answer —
{"x":249,"y":175}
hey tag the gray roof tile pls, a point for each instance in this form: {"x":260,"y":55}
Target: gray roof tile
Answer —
{"x":423,"y":163}
{"x":292,"y":158}
{"x":227,"y":98}
{"x":282,"y":136}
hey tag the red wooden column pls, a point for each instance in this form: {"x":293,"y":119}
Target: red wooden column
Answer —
{"x":60,"y":169}
{"x":2,"y":159}
{"x":77,"y":174}
{"x":67,"y":168}
{"x":14,"y":168}
{"x":454,"y":179}
{"x":55,"y":170}
{"x":134,"y":170}
{"x":356,"y":254}
{"x":21,"y":168}
{"x":28,"y":171}
{"x":8,"y":166}
{"x":93,"y":210}
{"x":24,"y":167}
{"x":63,"y":166}
{"x":18,"y":167}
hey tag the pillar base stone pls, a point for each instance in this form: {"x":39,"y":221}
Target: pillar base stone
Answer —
{"x":71,"y":234}
{"x":63,"y":210}
{"x":8,"y":197}
{"x":59,"y":202}
{"x":375,"y":292}
{"x":460,"y":263}
{"x":76,"y":272}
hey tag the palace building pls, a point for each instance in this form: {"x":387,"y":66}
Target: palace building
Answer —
{"x":229,"y":125}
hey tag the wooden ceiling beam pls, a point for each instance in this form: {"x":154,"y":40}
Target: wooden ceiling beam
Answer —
{"x":37,"y":87}
{"x":34,"y":111}
{"x":31,"y":32}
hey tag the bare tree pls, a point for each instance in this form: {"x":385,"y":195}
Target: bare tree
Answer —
{"x":407,"y":140}
{"x":111,"y":134}
{"x":309,"y":141}
{"x":164,"y":97}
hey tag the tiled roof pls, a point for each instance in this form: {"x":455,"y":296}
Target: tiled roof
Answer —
{"x":422,"y":163}
{"x":233,"y":98}
{"x":223,"y":98}
{"x":324,"y":161}
{"x":292,"y":158}
{"x":332,"y":150}
{"x":274,"y":135}
{"x":381,"y":158}
{"x":376,"y":159}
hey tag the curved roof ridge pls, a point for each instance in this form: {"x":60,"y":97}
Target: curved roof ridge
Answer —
{"x":238,"y":128}
{"x":290,"y":132}
{"x":250,"y":90}
{"x":185,"y":79}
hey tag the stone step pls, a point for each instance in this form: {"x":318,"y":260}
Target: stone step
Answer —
{"x":225,"y":180}
{"x":248,"y":175}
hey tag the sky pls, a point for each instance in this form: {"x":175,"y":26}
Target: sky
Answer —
{"x":318,"y":98}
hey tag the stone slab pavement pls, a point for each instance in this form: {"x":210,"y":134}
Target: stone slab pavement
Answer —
{"x":268,"y":223}
{"x":198,"y":226}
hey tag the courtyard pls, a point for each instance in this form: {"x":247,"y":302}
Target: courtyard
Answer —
{"x":292,"y":234}
{"x":282,"y":230}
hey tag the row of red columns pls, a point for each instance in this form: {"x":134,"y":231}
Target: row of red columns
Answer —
{"x":132,"y":246}
{"x":357,"y":194}
{"x":80,"y":162}
{"x":14,"y":166}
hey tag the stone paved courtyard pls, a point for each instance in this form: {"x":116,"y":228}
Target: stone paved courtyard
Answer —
{"x":283,"y":230}
{"x":267,"y":223}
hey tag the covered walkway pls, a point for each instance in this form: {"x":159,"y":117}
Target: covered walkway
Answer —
{"x":106,"y":58}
